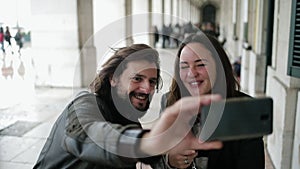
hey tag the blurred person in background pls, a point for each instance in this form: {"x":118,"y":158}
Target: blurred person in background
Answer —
{"x":2,"y":39}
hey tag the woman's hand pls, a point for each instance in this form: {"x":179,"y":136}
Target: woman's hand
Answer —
{"x":183,"y":154}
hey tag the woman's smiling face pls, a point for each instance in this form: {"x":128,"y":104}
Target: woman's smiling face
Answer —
{"x":197,"y":69}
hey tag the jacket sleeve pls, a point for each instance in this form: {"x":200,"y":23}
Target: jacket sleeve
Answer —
{"x":90,"y":138}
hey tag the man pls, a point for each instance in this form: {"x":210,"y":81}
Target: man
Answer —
{"x":7,"y":36}
{"x":19,"y":40}
{"x":100,"y":129}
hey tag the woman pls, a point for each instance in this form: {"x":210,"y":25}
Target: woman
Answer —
{"x":202,"y":67}
{"x":2,"y":39}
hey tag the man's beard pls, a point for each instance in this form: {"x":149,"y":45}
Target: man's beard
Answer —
{"x":125,"y":107}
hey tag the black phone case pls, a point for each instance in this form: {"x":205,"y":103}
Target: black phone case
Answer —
{"x":236,"y":118}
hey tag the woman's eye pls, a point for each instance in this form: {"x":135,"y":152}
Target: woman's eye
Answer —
{"x":184,"y":67}
{"x":201,"y":65}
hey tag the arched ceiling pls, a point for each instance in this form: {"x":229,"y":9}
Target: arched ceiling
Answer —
{"x":198,"y":3}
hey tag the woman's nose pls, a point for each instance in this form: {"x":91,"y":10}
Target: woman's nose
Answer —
{"x":192,"y":72}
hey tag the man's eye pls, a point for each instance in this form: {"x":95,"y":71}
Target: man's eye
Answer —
{"x":153,"y":82}
{"x":136,"y":79}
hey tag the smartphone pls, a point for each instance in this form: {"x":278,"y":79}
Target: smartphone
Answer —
{"x":236,"y":118}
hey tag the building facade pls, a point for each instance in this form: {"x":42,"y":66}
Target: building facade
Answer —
{"x":262,"y":33}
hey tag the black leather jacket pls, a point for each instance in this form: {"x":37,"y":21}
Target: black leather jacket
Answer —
{"x":85,"y":136}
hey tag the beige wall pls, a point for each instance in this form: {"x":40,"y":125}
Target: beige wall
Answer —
{"x":284,"y":90}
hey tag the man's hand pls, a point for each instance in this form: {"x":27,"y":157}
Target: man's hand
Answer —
{"x":173,"y":127}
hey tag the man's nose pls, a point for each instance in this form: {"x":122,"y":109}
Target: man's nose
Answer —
{"x":146,"y":87}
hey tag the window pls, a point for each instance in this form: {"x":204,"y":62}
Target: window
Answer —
{"x":294,"y":48}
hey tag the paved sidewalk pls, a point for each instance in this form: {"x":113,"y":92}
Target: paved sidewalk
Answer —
{"x":27,"y":126}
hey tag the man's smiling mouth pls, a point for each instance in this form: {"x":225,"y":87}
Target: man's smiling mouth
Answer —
{"x":141,"y":96}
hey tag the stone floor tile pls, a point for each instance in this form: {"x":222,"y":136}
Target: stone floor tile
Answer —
{"x":12,"y":146}
{"x":11,"y":165}
{"x":31,"y":154}
{"x":41,"y":131}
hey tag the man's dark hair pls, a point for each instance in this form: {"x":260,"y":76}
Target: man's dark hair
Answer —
{"x":117,"y":63}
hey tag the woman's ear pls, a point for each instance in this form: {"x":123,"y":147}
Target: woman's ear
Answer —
{"x":113,"y":81}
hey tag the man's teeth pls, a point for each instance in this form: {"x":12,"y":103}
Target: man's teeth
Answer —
{"x":141,"y":97}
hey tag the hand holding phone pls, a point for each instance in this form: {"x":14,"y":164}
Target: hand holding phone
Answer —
{"x":236,"y":118}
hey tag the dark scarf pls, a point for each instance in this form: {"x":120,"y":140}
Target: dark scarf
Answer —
{"x":115,"y":110}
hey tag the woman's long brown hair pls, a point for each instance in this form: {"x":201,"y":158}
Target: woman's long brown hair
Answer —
{"x":226,"y":82}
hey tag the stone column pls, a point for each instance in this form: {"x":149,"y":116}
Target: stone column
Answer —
{"x":88,"y":61}
{"x":171,"y":12}
{"x":245,"y":71}
{"x":163,"y":12}
{"x":128,"y":23}
{"x":151,"y":26}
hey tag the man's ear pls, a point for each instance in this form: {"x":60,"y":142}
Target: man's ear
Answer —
{"x":113,"y":81}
